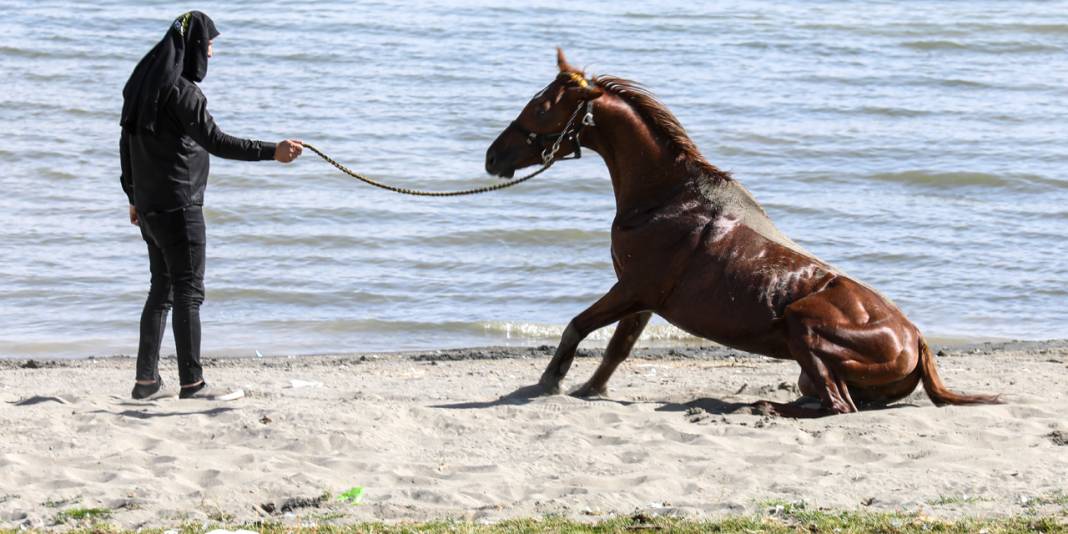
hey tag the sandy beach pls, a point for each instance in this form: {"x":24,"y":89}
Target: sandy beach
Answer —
{"x":427,"y":437}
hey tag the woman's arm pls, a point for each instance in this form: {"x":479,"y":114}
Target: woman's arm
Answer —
{"x":125,"y":172}
{"x":191,"y":109}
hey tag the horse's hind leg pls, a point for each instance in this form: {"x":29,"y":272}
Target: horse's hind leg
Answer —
{"x":816,"y":380}
{"x":884,"y":394}
{"x":618,"y":349}
{"x":864,"y":397}
{"x":813,"y":353}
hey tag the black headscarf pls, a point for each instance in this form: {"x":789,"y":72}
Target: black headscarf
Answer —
{"x":182,"y":52}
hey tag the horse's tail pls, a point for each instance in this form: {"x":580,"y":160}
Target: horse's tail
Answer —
{"x":937,"y":391}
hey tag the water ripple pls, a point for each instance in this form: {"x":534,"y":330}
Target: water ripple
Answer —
{"x":916,"y":146}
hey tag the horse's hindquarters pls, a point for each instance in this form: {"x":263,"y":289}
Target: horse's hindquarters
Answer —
{"x":856,"y":332}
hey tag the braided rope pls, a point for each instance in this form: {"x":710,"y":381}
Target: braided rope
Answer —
{"x":406,"y":191}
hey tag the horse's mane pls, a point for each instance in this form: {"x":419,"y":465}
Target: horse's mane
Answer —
{"x":660,"y":120}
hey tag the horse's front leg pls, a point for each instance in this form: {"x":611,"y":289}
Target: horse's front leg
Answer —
{"x":615,"y":305}
{"x":619,"y":347}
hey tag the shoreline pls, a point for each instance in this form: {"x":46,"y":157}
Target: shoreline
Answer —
{"x":16,"y":350}
{"x":430,"y":435}
{"x":707,"y":349}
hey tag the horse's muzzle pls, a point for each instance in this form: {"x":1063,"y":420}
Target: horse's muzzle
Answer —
{"x":496,"y":165}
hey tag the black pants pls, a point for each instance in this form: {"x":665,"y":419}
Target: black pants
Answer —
{"x":176,"y":242}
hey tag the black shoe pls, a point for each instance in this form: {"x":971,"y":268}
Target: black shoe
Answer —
{"x":205,"y":392}
{"x":144,"y":391}
{"x":188,"y":393}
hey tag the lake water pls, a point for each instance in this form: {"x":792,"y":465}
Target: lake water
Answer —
{"x":919,"y":146}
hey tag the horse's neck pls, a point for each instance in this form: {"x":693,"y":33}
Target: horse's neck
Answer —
{"x":646,"y":172}
{"x":642,"y":168}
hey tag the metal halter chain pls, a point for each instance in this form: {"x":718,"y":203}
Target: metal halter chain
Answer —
{"x":548,"y":157}
{"x":570,"y":131}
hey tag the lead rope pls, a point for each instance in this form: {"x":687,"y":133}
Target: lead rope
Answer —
{"x":406,"y":191}
{"x":548,"y":158}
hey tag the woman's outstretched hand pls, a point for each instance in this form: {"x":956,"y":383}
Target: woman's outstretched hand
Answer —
{"x":133,"y":215}
{"x":288,"y":150}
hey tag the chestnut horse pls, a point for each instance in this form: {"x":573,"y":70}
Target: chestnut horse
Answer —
{"x":692,"y":245}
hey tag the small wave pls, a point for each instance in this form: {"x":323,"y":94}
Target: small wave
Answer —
{"x":537,"y":331}
{"x":956,"y":82}
{"x":303,"y":297}
{"x":64,"y":53}
{"x":67,"y":349}
{"x":1024,"y":27}
{"x":328,"y":58}
{"x":880,"y":111}
{"x":36,"y":108}
{"x":45,"y":76}
{"x":58,"y":174}
{"x":523,"y":236}
{"x":89,"y":113}
{"x":997,"y":47}
{"x":21,"y":52}
{"x":1026,"y":48}
{"x":935,"y":45}
{"x":881,"y":258}
{"x":809,"y":211}
{"x":893,"y":111}
{"x":529,"y":266}
{"x":324,"y":240}
{"x":764,"y":139}
{"x":375,"y":326}
{"x":968,"y":179}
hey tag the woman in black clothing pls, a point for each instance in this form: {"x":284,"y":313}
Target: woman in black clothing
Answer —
{"x":167,"y":135}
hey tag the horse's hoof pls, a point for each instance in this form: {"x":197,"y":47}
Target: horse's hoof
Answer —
{"x":586,"y":392}
{"x":532,"y":391}
{"x":550,"y":383}
{"x":763,"y":408}
{"x":549,"y":388}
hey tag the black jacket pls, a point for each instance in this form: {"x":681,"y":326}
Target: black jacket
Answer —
{"x":168,"y":169}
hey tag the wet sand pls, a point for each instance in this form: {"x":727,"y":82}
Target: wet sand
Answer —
{"x":428,"y":437}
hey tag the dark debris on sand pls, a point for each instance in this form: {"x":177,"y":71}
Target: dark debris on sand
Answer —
{"x":293,"y":504}
{"x":1058,"y":437}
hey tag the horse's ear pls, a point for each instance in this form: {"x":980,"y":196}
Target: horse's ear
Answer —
{"x":561,"y":61}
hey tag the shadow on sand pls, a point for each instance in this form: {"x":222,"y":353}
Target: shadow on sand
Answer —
{"x":137,"y":414}
{"x":709,"y":405}
{"x":722,"y":407}
{"x":714,"y":406}
{"x":527,"y":394}
{"x":523,"y":395}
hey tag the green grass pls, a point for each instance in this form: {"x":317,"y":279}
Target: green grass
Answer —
{"x":50,"y":503}
{"x":327,"y":516}
{"x":1058,"y":498}
{"x":779,"y":518}
{"x":219,"y":516}
{"x":947,"y":500}
{"x":81,"y":514}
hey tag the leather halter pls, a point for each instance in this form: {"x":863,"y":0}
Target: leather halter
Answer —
{"x":571,"y":132}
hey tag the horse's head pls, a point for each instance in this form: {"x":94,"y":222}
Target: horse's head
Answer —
{"x":551,"y":119}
